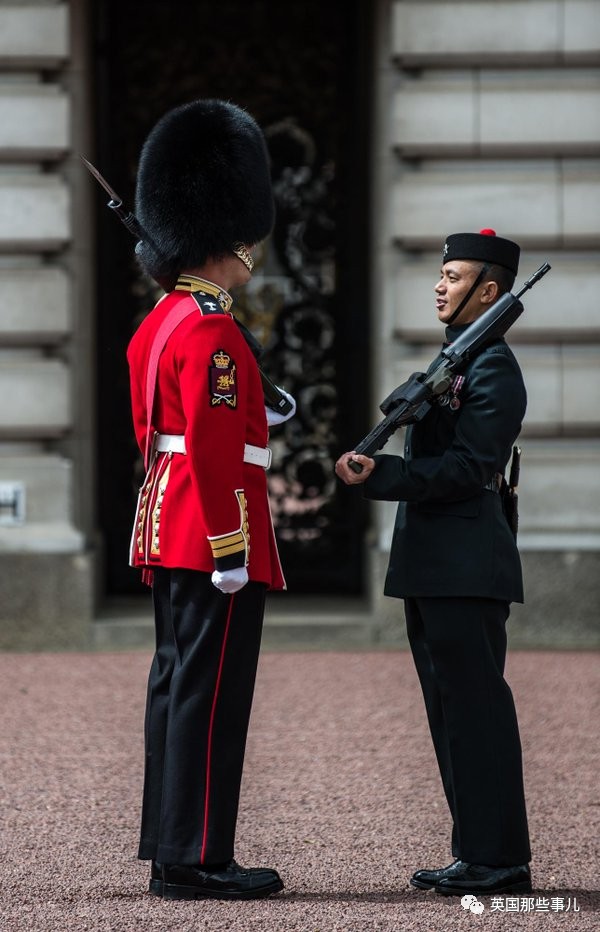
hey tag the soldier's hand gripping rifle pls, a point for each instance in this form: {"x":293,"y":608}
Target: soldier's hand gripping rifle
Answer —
{"x":411,"y":401}
{"x":274,"y":398}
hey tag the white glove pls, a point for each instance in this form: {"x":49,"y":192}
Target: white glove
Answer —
{"x":275,"y":417}
{"x":231,"y":580}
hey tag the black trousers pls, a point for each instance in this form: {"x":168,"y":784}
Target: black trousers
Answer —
{"x":459,"y":649}
{"x":200,"y":691}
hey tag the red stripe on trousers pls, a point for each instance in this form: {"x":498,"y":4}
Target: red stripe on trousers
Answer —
{"x":210,"y":729}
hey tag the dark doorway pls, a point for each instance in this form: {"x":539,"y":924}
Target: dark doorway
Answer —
{"x":302,"y":70}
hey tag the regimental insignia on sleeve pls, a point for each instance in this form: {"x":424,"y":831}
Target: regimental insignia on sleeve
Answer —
{"x":222,"y":381}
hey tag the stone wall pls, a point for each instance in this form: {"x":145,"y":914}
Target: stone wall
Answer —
{"x":46,"y":375}
{"x":488,"y":115}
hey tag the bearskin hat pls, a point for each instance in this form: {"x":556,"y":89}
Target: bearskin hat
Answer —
{"x":203,"y":186}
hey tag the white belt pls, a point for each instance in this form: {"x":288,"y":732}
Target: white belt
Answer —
{"x":175,"y":443}
{"x":258,"y":456}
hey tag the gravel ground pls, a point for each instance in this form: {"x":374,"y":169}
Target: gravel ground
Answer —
{"x":340,"y":794}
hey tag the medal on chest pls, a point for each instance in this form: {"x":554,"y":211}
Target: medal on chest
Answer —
{"x":451,"y":397}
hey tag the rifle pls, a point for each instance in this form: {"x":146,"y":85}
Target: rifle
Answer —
{"x":411,"y":401}
{"x":274,"y":398}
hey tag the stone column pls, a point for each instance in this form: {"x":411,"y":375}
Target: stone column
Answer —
{"x":46,"y":375}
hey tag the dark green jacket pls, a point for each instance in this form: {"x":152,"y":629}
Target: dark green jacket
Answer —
{"x":451,"y":537}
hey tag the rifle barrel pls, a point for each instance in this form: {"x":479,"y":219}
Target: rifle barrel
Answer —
{"x":534,"y":278}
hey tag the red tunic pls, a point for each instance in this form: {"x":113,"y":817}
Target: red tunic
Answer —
{"x":204,"y":509}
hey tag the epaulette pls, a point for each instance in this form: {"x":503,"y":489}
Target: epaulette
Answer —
{"x":207,"y":303}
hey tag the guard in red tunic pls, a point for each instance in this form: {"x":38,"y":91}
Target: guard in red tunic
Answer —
{"x":203,"y":532}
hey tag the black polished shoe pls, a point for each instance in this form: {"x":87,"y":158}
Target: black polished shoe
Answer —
{"x":156,"y":879}
{"x":477,"y":878}
{"x":231,"y":882}
{"x":425,"y":880}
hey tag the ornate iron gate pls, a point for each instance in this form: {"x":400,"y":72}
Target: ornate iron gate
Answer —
{"x":308,"y":300}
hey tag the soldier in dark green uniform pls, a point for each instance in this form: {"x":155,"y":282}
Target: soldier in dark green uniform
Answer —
{"x":455,"y":563}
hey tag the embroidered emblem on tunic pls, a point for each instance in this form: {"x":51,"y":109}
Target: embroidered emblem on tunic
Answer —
{"x":222,"y":380}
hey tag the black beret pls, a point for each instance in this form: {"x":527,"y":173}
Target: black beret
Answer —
{"x":484,"y":246}
{"x":203,"y":185}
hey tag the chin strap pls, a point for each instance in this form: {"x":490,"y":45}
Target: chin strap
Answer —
{"x":483,"y":271}
{"x":242,"y":253}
